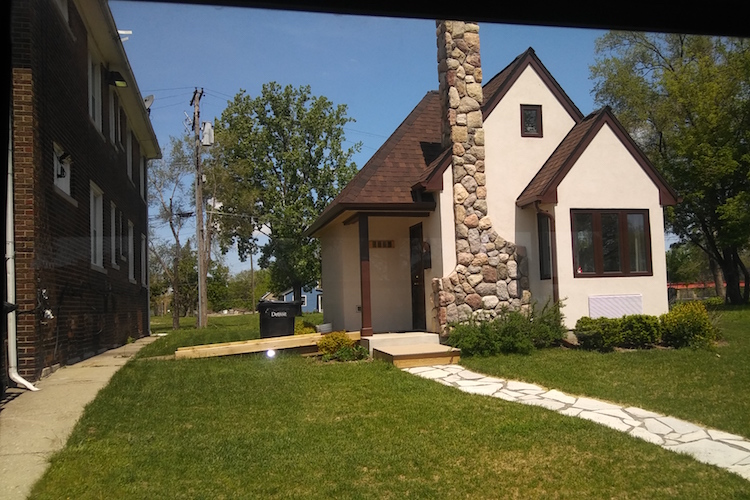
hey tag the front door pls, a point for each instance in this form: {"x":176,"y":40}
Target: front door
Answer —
{"x":419,"y":322}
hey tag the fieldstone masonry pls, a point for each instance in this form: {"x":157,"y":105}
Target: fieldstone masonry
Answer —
{"x":491,"y":273}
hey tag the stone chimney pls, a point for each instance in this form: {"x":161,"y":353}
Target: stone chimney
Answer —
{"x":490,"y":273}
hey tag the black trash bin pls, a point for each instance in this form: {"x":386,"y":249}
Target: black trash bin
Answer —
{"x":277,"y":317}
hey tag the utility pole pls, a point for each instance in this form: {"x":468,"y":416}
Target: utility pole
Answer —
{"x":202,"y":318}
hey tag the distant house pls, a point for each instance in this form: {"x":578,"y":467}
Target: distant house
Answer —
{"x":312,"y":298}
{"x":81,"y":141}
{"x":492,"y":196}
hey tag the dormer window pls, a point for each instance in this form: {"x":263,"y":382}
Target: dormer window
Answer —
{"x":531,"y":120}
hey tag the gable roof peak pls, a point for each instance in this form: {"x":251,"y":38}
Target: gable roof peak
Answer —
{"x":496,"y":88}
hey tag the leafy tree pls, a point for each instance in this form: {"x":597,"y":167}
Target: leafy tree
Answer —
{"x":171,"y":198}
{"x":247,"y":287}
{"x":686,"y":100}
{"x":217,"y":287}
{"x":278,"y":161}
{"x":186,"y":302}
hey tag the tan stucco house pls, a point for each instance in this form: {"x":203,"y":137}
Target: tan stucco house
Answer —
{"x":494,"y":195}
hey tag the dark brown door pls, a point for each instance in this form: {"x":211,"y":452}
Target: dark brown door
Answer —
{"x":419,"y":322}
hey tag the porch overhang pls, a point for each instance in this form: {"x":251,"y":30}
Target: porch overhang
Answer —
{"x":352,"y":211}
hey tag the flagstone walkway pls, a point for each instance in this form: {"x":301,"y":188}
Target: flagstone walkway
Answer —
{"x":710,"y":446}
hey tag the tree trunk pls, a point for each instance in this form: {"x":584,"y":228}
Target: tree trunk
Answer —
{"x":745,"y":274}
{"x":176,"y":295}
{"x":731,"y":272}
{"x":718,"y":278}
{"x":252,"y":283}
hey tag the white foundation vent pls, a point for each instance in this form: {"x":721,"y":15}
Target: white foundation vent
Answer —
{"x":615,"y":306}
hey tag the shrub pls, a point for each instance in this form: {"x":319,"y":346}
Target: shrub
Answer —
{"x":640,"y":331}
{"x":603,"y":334}
{"x":347,"y":353}
{"x":332,"y":342}
{"x":713,"y":302}
{"x":548,"y":328}
{"x":688,"y":325}
{"x":304,"y":327}
{"x":510,"y":332}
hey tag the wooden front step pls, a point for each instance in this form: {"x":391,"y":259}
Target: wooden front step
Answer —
{"x":409,"y":356}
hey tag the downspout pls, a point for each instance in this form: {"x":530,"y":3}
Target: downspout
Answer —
{"x":553,"y":249}
{"x":10,"y":273}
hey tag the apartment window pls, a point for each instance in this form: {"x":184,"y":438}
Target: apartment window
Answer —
{"x":114,"y":117}
{"x":142,"y":167}
{"x":611,"y":243}
{"x":531,"y":120}
{"x":144,"y":261}
{"x":545,"y":246}
{"x":131,"y":257}
{"x":129,"y":153}
{"x":62,"y":168}
{"x":122,"y":236}
{"x":95,"y":89}
{"x":113,"y":235}
{"x":96,"y":198}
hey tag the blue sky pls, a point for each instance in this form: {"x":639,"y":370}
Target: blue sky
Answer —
{"x":379,"y":67}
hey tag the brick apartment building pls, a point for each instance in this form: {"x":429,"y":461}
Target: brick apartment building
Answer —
{"x":80,"y":142}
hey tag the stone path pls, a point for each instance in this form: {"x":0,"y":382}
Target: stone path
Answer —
{"x":710,"y":446}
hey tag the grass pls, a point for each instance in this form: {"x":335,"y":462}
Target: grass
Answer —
{"x":706,"y":387}
{"x":292,"y":427}
{"x":230,"y":328}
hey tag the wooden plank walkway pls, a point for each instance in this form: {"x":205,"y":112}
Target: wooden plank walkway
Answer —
{"x":256,"y":345}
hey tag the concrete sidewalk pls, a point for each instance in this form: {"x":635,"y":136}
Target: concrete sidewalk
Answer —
{"x":34,"y":425}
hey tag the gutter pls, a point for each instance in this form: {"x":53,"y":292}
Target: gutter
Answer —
{"x":10,"y":274}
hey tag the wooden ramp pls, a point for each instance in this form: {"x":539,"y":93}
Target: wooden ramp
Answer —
{"x":308,"y":340}
{"x":409,"y":356}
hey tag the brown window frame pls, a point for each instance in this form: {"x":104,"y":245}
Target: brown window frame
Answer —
{"x":538,"y":109}
{"x":623,"y":243}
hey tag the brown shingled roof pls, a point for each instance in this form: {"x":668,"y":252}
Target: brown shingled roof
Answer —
{"x":543,"y":187}
{"x":385,"y":182}
{"x":412,"y":158}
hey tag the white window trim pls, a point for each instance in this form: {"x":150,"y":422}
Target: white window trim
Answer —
{"x":95,"y":88}
{"x":113,"y":235}
{"x":122,"y":236}
{"x":129,"y":151}
{"x":96,"y":225}
{"x":142,"y":166}
{"x":131,"y":248}
{"x":114,"y":117}
{"x":144,"y":257}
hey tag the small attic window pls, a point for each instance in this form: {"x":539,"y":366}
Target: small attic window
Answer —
{"x":531,"y":120}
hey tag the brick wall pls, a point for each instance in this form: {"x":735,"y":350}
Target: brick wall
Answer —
{"x":94,"y":308}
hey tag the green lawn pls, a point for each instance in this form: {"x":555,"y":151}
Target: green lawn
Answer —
{"x":228,"y":328}
{"x":292,"y":427}
{"x":710,"y":388}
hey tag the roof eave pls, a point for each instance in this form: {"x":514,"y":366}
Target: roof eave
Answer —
{"x":341,"y":208}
